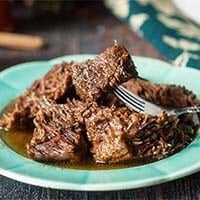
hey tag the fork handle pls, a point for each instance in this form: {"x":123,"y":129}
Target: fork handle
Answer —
{"x":194,"y":109}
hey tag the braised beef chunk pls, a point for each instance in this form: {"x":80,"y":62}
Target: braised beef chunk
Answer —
{"x":158,"y":136}
{"x":54,"y":85}
{"x":107,"y":134}
{"x":22,"y":112}
{"x":161,"y":94}
{"x":95,"y":77}
{"x":81,"y":110}
{"x":57,"y":134}
{"x":66,"y":147}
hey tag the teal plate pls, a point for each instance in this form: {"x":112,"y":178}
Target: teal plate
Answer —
{"x":16,"y":79}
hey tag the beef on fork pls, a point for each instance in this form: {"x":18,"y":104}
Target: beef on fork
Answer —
{"x":95,"y":77}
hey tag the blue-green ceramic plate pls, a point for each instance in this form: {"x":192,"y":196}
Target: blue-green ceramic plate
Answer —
{"x":17,"y":78}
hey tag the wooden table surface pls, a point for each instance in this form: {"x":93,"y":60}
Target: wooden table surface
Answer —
{"x":87,"y":30}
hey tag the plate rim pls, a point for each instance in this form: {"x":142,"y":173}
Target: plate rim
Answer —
{"x":85,"y":186}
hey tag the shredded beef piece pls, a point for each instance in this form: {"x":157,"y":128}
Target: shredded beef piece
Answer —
{"x":22,"y":113}
{"x":81,"y":110}
{"x":53,"y":86}
{"x":95,"y":77}
{"x":57,"y":134}
{"x":161,"y":94}
{"x":120,"y":135}
{"x":106,"y":132}
{"x":158,"y":136}
{"x":55,"y":83}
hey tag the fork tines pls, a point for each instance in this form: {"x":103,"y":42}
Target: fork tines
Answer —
{"x":129,"y":99}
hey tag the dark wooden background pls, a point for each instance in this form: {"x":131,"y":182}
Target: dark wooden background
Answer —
{"x":86,"y":29}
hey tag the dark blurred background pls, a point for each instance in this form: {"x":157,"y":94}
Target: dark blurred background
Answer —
{"x":67,"y":27}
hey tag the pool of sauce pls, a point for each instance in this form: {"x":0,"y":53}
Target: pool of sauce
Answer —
{"x":17,"y":139}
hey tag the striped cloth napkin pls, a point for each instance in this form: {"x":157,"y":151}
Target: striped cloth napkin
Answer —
{"x":173,"y":34}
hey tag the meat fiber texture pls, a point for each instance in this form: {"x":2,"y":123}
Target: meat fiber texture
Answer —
{"x":53,"y":86}
{"x":58,"y":134}
{"x":93,"y":78}
{"x":111,"y":135}
{"x":156,"y":137}
{"x":118,"y":135}
{"x":106,"y":131}
{"x":162,"y":94}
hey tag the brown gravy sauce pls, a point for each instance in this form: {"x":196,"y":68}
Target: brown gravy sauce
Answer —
{"x":17,"y":140}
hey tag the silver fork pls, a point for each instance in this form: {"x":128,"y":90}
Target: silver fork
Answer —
{"x":140,"y":105}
